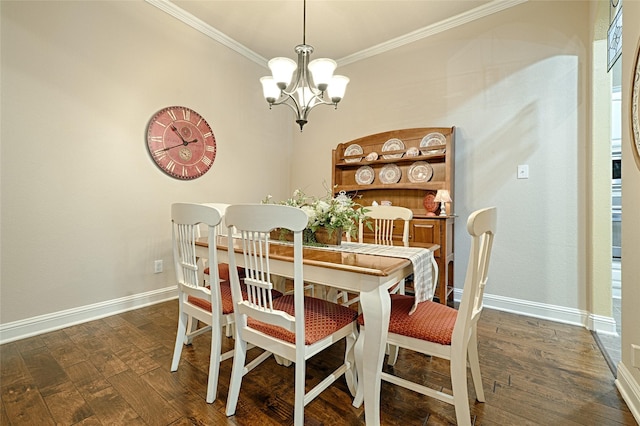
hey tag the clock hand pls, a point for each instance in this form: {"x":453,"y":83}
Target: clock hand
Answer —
{"x":185,"y":143}
{"x":171,"y":147}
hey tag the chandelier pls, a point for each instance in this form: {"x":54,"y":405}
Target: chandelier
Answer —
{"x":305,"y":89}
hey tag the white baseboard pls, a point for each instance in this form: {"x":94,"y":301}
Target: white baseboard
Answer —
{"x":629,"y":389}
{"x":54,"y":321}
{"x":44,"y":323}
{"x":556,"y":313}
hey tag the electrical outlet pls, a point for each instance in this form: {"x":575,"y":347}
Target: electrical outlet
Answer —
{"x":157,"y":266}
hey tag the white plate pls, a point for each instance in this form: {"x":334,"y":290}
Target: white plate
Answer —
{"x":372,"y":156}
{"x":420,"y":171}
{"x":353,"y":149}
{"x":365,"y":175}
{"x":393,"y":145}
{"x":433,"y":139}
{"x":390,"y":174}
{"x":413,"y":152}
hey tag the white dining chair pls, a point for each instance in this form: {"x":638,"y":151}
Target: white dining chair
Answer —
{"x":223,"y":268}
{"x":294,"y":327}
{"x":441,"y":331}
{"x":382,"y":222}
{"x":211,"y":305}
{"x":197,"y":302}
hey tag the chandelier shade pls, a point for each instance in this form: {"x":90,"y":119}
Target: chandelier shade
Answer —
{"x":302,"y":85}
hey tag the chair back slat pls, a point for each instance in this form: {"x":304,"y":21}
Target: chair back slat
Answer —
{"x":384,"y":218}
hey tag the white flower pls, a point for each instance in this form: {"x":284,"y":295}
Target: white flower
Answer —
{"x":328,"y":211}
{"x":311,"y":213}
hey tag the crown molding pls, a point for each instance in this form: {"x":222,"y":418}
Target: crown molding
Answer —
{"x":419,"y":34}
{"x":208,"y":30}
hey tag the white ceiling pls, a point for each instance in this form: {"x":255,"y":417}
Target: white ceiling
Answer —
{"x":337,"y":29}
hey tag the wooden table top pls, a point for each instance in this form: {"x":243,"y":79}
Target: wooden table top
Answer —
{"x":353,"y":262}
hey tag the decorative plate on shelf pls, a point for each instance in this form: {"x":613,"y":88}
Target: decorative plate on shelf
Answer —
{"x":413,"y":152}
{"x":365,"y":175}
{"x":353,"y":149}
{"x":433,"y":140}
{"x":393,"y":145}
{"x":420,"y":171}
{"x":390,"y":174}
{"x":372,"y":156}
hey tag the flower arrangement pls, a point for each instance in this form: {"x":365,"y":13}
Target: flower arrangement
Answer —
{"x":335,"y":214}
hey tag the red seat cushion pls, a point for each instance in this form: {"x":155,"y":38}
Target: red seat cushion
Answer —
{"x":321,"y":318}
{"x":223,"y":271}
{"x":226,"y":299}
{"x":431,"y":321}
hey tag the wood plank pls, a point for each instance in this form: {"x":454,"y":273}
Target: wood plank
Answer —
{"x":144,"y":399}
{"x":24,"y":405}
{"x":535,"y":372}
{"x":67,"y":406}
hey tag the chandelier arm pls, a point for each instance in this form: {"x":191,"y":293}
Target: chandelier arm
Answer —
{"x":283,"y":100}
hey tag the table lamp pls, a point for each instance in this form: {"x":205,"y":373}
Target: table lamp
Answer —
{"x":443,"y":197}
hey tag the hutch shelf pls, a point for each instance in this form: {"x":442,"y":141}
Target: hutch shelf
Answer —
{"x":405,"y":167}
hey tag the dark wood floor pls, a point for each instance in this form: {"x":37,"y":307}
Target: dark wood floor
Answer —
{"x":116,"y":371}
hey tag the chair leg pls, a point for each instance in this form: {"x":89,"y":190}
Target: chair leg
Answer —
{"x":349,"y":358}
{"x":458,"y":367}
{"x":392,"y":350}
{"x":298,"y":411}
{"x":180,"y":340}
{"x":192,"y":325}
{"x":214,"y":363}
{"x":475,"y":365}
{"x":359,"y":349}
{"x":237,"y":371}
{"x":229,"y":324}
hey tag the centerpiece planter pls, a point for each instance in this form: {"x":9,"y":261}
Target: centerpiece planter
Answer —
{"x":330,"y":237}
{"x":323,"y":236}
{"x":329,"y":217}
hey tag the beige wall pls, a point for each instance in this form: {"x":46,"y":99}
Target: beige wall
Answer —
{"x":515,"y":84}
{"x":85,"y":211}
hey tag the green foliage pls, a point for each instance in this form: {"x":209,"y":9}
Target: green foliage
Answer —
{"x":327,"y":212}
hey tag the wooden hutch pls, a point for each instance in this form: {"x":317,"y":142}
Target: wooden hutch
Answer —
{"x":405,"y":167}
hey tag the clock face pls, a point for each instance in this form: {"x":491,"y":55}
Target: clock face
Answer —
{"x":181,"y":142}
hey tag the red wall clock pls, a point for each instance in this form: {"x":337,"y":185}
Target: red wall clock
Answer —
{"x":181,"y":142}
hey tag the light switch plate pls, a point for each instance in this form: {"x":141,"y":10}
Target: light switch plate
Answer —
{"x":523,"y":171}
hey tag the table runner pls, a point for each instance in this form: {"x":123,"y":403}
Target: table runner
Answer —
{"x":419,"y":257}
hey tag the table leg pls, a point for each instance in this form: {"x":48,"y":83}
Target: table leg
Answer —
{"x":370,"y":350}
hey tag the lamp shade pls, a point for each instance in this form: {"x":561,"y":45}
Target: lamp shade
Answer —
{"x":337,"y":88}
{"x":282,"y":70}
{"x":322,"y":70}
{"x":442,"y":196}
{"x":270,"y":89}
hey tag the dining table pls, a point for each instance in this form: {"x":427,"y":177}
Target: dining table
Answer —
{"x":368,"y":275}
